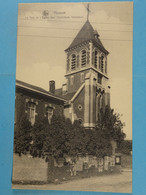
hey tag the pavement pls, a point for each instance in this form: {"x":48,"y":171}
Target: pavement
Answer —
{"x":121,"y":183}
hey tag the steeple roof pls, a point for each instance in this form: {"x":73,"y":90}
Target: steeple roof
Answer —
{"x":87,"y":33}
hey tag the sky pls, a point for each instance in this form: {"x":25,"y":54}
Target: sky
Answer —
{"x":42,"y":39}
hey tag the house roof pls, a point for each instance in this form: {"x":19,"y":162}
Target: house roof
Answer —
{"x":69,"y":96}
{"x":58,"y":91}
{"x":87,"y":33}
{"x":37,"y":89}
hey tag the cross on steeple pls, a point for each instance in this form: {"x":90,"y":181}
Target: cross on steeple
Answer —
{"x":88,"y":10}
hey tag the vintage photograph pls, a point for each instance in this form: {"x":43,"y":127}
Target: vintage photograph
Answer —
{"x":73,"y":102}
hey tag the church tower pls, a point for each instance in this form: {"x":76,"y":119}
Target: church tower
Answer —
{"x":86,"y":70}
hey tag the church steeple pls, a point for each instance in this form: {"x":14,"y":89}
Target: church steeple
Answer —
{"x":86,"y":52}
{"x":87,"y":33}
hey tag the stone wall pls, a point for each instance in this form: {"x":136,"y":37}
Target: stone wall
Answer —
{"x":28,"y":169}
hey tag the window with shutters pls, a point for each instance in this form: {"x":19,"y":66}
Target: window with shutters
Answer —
{"x":102,"y":63}
{"x":31,"y":109}
{"x":95,"y":59}
{"x":73,"y":61}
{"x":83,"y":58}
{"x":99,"y":63}
{"x":68,"y":65}
{"x":106,"y":66}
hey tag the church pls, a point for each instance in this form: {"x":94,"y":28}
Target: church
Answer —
{"x":85,"y":91}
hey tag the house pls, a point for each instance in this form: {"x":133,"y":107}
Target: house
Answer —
{"x":36,"y":102}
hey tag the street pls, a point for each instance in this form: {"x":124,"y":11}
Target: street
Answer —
{"x":106,"y":183}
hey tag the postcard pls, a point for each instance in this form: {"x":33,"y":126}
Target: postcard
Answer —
{"x":73,"y":103}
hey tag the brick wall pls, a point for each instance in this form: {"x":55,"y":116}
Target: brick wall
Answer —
{"x":22,"y":96}
{"x":77,"y":81}
{"x":78,"y":105}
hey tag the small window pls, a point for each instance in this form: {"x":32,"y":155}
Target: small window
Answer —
{"x":31,"y":112}
{"x":73,"y":62}
{"x":83,"y":58}
{"x":80,"y":121}
{"x":95,"y":60}
{"x":49,"y":113}
{"x":99,"y":78}
{"x":80,"y":107}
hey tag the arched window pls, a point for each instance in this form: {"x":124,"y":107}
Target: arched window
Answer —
{"x":102,"y":63}
{"x":73,"y":61}
{"x":83,"y":58}
{"x":49,"y":113}
{"x":106,"y":66}
{"x":99,"y":63}
{"x":95,"y":59}
{"x":31,"y":108}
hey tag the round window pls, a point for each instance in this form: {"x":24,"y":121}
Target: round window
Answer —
{"x":80,"y":107}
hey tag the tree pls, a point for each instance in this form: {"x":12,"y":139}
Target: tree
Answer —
{"x":62,"y":137}
{"x":22,"y":136}
{"x":38,"y":134}
{"x":77,"y":139}
{"x":125,"y":147}
{"x":55,"y":138}
{"x":110,"y":124}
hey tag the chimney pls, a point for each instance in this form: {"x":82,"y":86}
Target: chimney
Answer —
{"x":52,"y":86}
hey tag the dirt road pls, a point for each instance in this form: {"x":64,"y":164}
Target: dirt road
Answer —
{"x":107,"y":183}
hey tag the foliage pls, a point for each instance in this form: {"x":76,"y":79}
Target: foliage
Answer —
{"x":55,"y":137}
{"x":62,"y":137}
{"x":22,"y":136}
{"x":38,"y":135}
{"x":110,"y":125}
{"x":125,"y":147}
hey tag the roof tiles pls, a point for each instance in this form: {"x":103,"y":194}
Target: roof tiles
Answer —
{"x":87,"y":33}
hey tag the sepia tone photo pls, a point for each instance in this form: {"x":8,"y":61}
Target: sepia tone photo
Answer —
{"x":73,"y":102}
